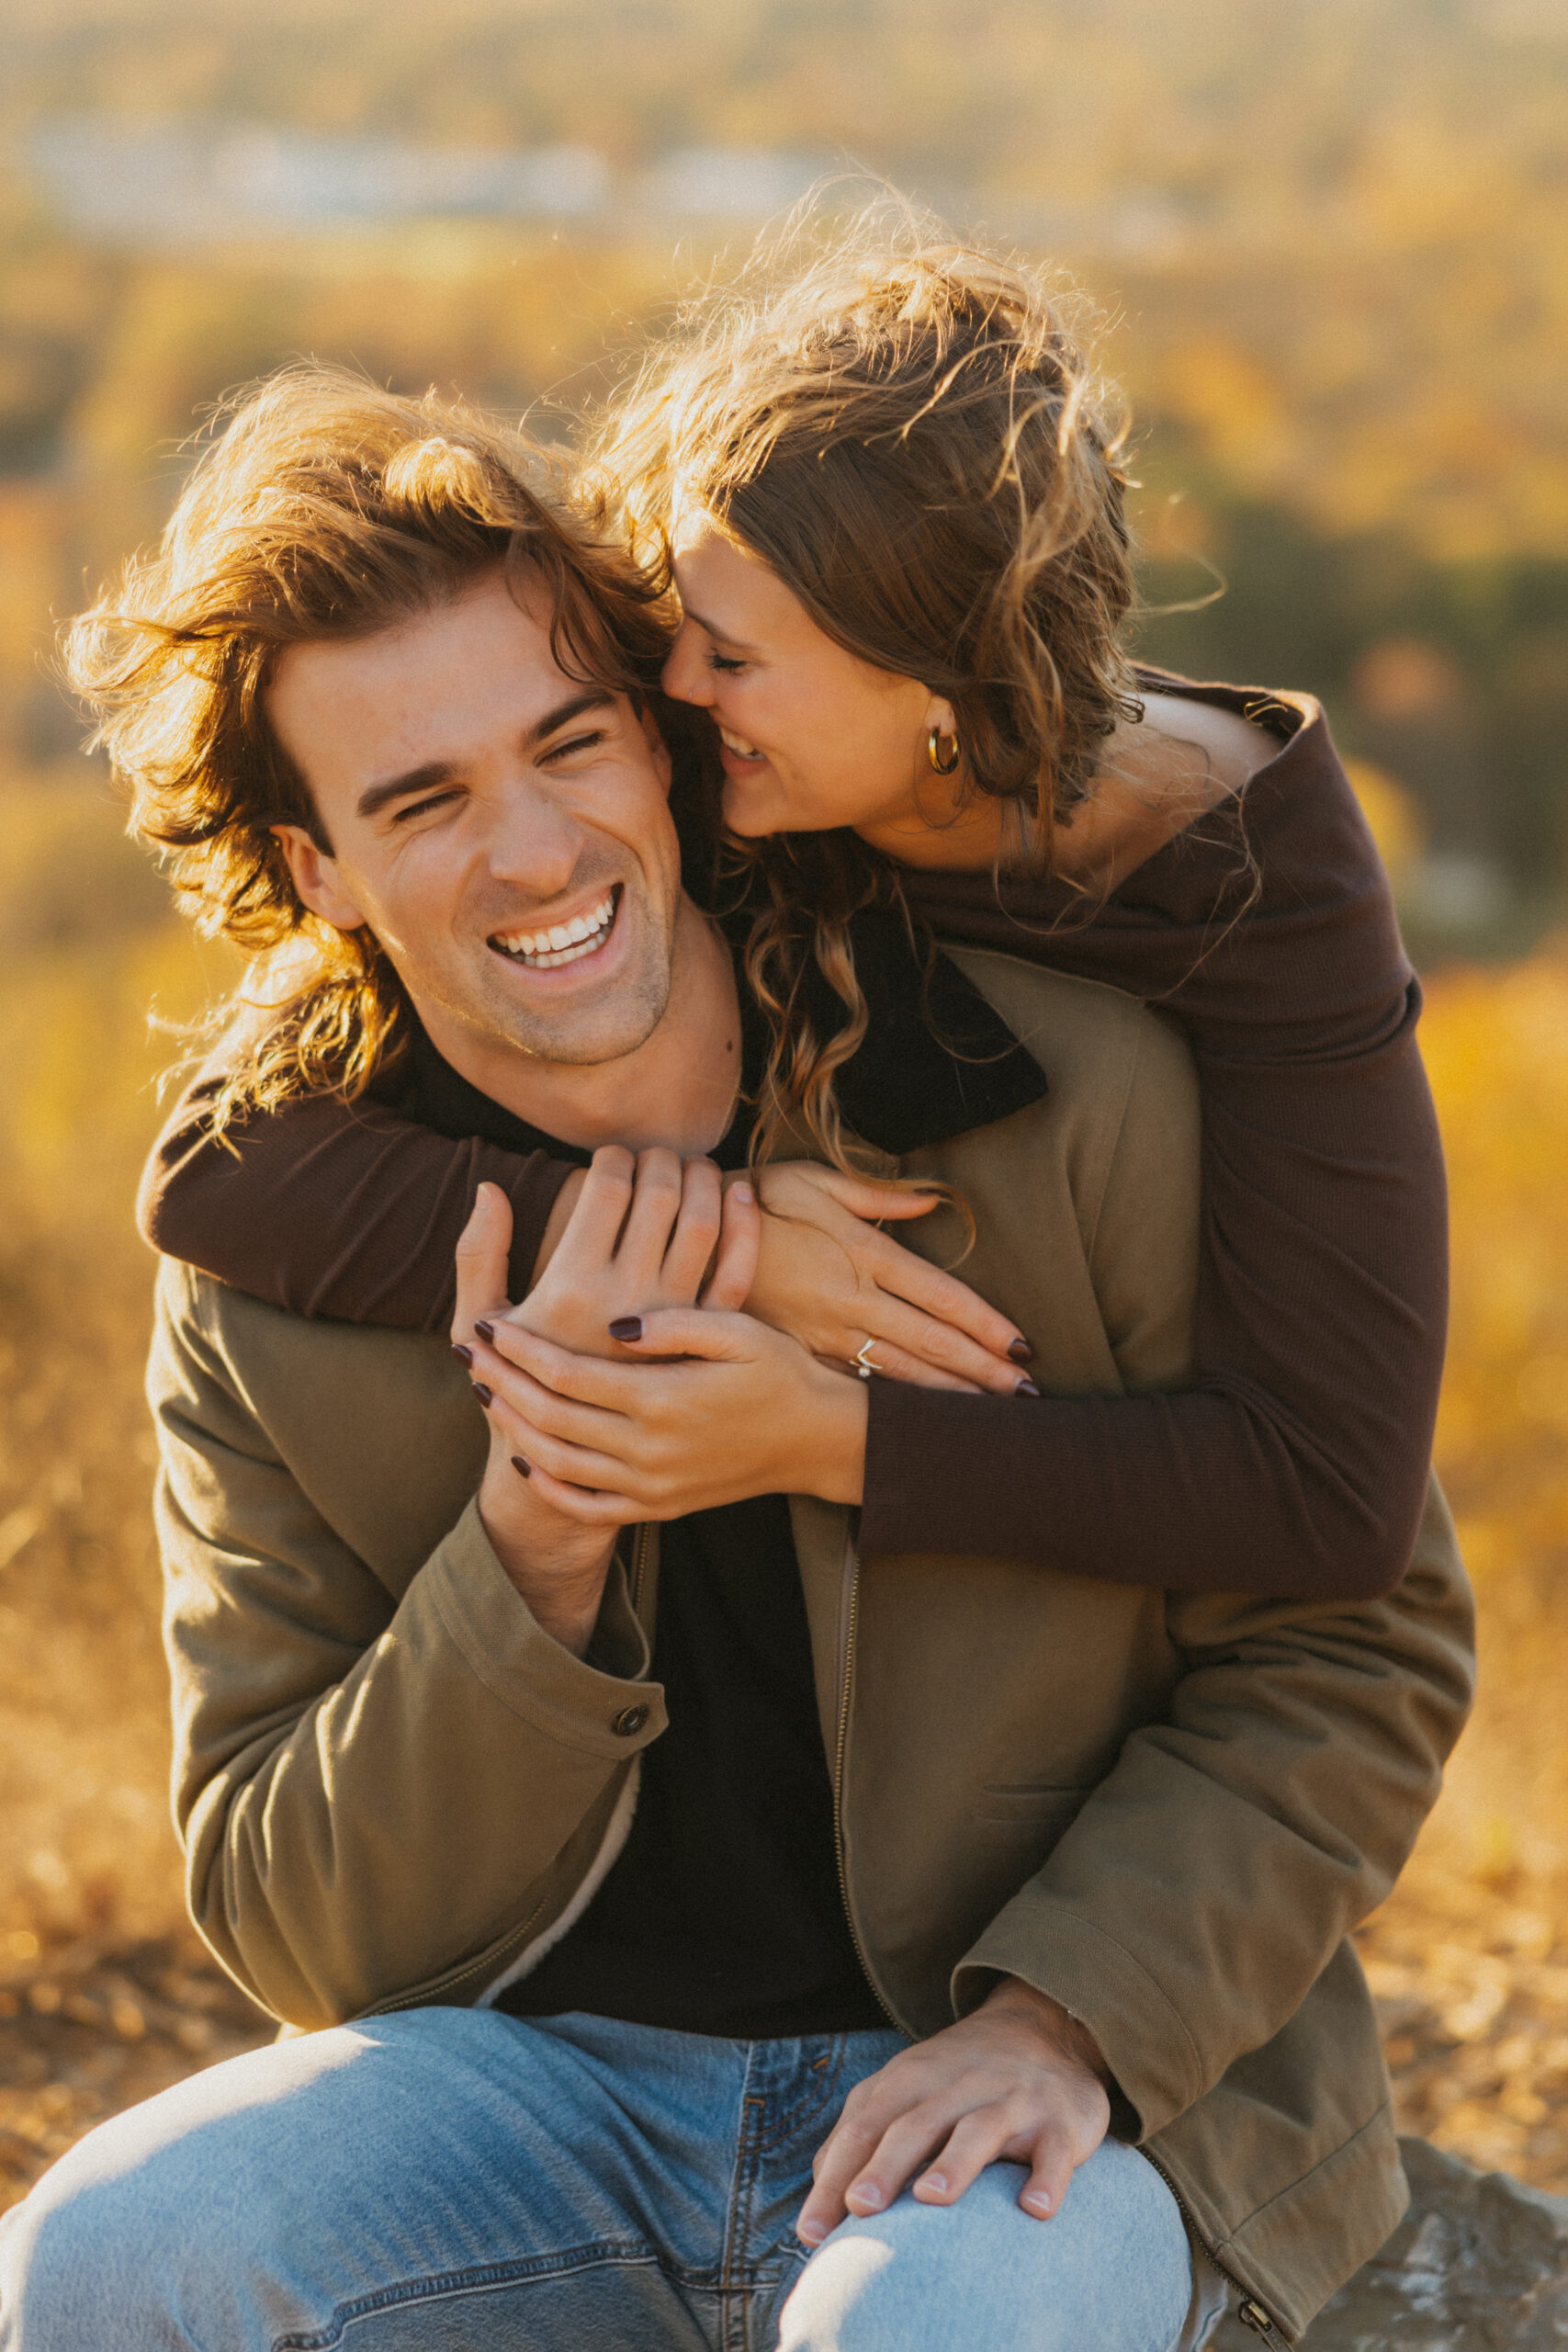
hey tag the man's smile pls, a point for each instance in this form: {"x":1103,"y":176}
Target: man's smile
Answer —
{"x":563,"y":943}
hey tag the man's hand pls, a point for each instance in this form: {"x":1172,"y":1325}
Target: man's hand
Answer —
{"x":557,"y":1563}
{"x":642,"y":1233}
{"x":1019,"y":2081}
{"x":827,"y":1277}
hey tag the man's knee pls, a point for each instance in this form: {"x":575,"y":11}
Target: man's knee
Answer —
{"x":79,"y":2260}
{"x":121,"y":2240}
{"x":1114,"y":2269}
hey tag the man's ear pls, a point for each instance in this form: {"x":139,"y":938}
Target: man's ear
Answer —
{"x":315,"y":877}
{"x":663,"y":764}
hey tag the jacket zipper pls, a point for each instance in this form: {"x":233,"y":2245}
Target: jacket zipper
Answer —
{"x":640,"y":1541}
{"x":1249,"y":2311}
{"x":426,"y":1996}
{"x":846,"y":1688}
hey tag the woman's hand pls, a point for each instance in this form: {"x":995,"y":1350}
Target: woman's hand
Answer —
{"x":740,"y":1411}
{"x":828,"y":1277}
{"x":813,"y":1265}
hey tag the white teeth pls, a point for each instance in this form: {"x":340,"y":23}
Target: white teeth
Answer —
{"x":742,"y":750}
{"x":563,"y":943}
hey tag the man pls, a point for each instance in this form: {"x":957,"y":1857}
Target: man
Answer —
{"x":1049,"y":1856}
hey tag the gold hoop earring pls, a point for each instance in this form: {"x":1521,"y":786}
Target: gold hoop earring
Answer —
{"x":933,"y":752}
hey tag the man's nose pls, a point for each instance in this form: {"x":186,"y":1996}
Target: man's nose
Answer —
{"x":535,"y":843}
{"x":687,"y":675}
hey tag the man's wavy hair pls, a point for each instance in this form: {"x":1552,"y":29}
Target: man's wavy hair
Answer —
{"x":322,"y":507}
{"x":907,"y":430}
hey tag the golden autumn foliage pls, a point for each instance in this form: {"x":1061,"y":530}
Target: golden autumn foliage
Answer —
{"x":1496,"y":1046}
{"x":1332,"y":243}
{"x":1469,"y":1960}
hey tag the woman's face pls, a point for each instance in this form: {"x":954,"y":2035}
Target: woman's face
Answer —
{"x":813,"y":737}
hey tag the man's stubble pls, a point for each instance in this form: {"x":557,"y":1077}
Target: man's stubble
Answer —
{"x":604,"y":1028}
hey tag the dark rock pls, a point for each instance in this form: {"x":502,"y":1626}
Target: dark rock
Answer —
{"x":1479,"y":2264}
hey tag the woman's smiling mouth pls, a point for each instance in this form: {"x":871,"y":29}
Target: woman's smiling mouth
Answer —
{"x":563,"y":943}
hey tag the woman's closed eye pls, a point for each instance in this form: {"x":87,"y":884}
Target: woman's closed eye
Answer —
{"x":724,"y":662}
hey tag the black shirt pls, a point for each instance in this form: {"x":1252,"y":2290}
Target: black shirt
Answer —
{"x":724,"y":1912}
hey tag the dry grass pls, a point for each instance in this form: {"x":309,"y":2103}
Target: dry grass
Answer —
{"x":104,"y":1995}
{"x":1470,"y":1959}
{"x":87,"y":2029}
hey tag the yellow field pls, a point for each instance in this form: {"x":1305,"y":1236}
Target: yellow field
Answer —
{"x":1468,"y":1958}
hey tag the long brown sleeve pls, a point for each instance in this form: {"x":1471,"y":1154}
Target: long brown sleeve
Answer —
{"x":1298,"y":1460}
{"x":335,"y":1209}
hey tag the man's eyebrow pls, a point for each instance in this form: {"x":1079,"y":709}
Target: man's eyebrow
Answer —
{"x":395,"y":788}
{"x":435,"y":773}
{"x":595,"y":698}
{"x":711,"y":628}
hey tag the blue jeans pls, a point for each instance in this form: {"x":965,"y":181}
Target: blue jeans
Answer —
{"x":459,"y":2180}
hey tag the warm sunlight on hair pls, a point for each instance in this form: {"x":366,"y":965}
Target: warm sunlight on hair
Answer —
{"x":321,"y":507}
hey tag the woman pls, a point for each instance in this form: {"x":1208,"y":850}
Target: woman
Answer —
{"x":898,"y":533}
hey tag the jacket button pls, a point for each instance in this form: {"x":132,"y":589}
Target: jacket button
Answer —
{"x":629,"y":1721}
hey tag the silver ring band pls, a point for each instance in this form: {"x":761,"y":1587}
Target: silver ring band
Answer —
{"x":863,"y":1364}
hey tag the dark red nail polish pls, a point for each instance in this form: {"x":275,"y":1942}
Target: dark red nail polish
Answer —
{"x":523,"y":1469}
{"x":1020,"y":1352}
{"x":486,"y":1332}
{"x":1026,"y":1388}
{"x":626,"y":1326}
{"x":481,"y":1392}
{"x":463,"y":1355}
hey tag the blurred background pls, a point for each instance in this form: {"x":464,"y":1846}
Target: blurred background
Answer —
{"x":1331,"y":244}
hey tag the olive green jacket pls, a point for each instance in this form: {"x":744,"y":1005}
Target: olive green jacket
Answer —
{"x":1165,"y":1810}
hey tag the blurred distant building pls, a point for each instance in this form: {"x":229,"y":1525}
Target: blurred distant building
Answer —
{"x":725,"y":183}
{"x":171,"y":181}
{"x":160,"y":181}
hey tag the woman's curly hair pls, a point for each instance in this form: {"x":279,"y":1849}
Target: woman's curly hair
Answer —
{"x":322,"y":507}
{"x":908,"y":431}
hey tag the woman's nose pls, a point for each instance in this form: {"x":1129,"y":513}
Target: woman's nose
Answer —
{"x":686,"y":678}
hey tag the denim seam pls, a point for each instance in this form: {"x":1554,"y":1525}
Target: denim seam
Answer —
{"x":627,"y":2253}
{"x":812,"y":2104}
{"x":737,"y":2222}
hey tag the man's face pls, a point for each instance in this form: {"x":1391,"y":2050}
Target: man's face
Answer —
{"x":503,"y":829}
